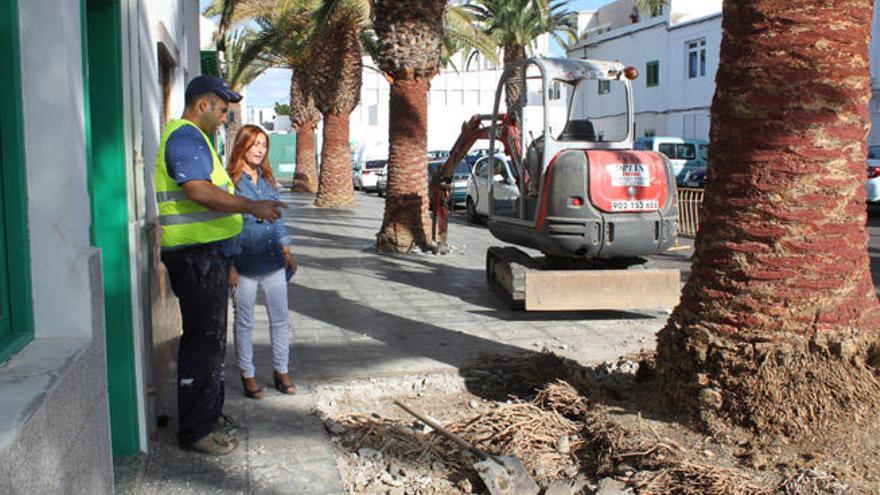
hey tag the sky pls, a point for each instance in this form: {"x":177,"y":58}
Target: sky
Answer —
{"x":274,"y":85}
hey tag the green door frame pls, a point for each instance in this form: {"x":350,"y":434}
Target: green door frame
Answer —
{"x":108,"y":187}
{"x":19,"y":321}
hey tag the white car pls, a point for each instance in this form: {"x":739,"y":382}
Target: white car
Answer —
{"x":365,"y":175}
{"x":872,"y":186}
{"x":505,"y":190}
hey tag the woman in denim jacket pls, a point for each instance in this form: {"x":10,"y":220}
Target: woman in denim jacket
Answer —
{"x":262,"y":264}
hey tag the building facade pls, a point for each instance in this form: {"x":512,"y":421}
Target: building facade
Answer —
{"x":460,"y":91}
{"x":88,"y":326}
{"x":677,"y":54}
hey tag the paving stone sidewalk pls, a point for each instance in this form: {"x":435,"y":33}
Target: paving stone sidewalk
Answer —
{"x":356,"y":315}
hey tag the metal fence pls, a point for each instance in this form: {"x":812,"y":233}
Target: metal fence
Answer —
{"x":690,"y":203}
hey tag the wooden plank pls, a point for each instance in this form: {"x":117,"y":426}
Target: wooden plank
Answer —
{"x":570,"y":290}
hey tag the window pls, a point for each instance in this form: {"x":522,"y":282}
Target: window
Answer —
{"x":667,"y":149}
{"x":482,"y":169}
{"x":653,"y":74}
{"x":166,"y":74}
{"x":555,"y":92}
{"x":604,"y":87}
{"x":696,"y":58}
{"x":704,"y":152}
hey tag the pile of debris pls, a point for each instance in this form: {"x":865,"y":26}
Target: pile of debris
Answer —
{"x":568,"y":443}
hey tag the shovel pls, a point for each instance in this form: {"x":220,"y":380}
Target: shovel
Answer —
{"x":503,"y":474}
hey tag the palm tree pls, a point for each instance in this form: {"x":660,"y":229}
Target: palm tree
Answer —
{"x":410,"y":34}
{"x":238,"y":73}
{"x":338,"y":71}
{"x":515,"y":25}
{"x":777,"y":328}
{"x":284,"y":40}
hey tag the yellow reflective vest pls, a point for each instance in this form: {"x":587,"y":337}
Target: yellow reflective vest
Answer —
{"x":183,"y":221}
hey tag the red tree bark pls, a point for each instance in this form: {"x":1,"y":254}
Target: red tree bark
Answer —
{"x":335,"y":189}
{"x":305,"y":179}
{"x":406,"y":220}
{"x":778,"y":325}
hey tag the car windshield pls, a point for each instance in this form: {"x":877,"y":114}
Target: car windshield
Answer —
{"x":873,"y":152}
{"x":462,"y":168}
{"x":375,"y":164}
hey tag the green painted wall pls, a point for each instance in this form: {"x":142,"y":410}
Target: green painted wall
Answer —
{"x":109,"y":207}
{"x":15,"y":294}
{"x":282,"y":155}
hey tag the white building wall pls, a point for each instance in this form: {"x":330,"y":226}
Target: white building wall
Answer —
{"x":680,"y":106}
{"x":54,"y":123}
{"x":454,"y":97}
{"x":54,"y":423}
{"x":172,"y":25}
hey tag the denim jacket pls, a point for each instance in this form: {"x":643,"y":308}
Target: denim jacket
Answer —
{"x":261,"y":242}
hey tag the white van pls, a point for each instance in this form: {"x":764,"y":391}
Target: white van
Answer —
{"x":680,"y":151}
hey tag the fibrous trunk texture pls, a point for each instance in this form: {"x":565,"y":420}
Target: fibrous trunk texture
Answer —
{"x":304,"y":116}
{"x":335,"y":188}
{"x":337,"y":87}
{"x":233,"y":124}
{"x":305,"y":179}
{"x":777,"y":327}
{"x":513,"y":87}
{"x":406,"y":207}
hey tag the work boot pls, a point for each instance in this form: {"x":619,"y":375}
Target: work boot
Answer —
{"x":215,"y":443}
{"x":227,"y":423}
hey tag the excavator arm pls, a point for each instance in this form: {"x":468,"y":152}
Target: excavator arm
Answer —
{"x":477,"y":127}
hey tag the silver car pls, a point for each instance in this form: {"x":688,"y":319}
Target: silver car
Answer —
{"x":505,"y":190}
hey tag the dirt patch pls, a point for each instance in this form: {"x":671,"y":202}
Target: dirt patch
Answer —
{"x":587,"y":429}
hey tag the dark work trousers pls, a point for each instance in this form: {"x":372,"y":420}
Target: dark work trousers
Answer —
{"x":200,"y":280}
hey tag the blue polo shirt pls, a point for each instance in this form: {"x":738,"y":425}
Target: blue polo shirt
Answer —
{"x":188,"y":157}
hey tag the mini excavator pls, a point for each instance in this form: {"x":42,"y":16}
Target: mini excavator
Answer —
{"x":573,"y":188}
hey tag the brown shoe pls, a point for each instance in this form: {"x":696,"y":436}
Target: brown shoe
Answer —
{"x":215,"y":443}
{"x":252,"y":389}
{"x":283,"y":383}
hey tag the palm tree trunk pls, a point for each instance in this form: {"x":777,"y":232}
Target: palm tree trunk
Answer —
{"x":233,"y":124}
{"x":305,"y":179}
{"x":777,"y":328}
{"x":304,"y":117}
{"x":335,"y":188}
{"x":406,"y":207}
{"x":513,"y":87}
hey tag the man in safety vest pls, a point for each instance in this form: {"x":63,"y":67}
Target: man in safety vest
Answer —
{"x":201,"y":219}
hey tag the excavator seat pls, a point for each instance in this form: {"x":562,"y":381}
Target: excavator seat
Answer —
{"x":578,"y":130}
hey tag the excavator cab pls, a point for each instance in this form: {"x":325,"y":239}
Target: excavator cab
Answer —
{"x":583,"y":191}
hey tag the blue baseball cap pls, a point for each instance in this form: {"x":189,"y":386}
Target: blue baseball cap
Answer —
{"x":200,"y":85}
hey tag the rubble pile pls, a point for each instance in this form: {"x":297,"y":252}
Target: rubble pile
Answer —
{"x":568,"y":441}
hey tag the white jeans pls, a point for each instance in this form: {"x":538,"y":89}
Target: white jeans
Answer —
{"x":274,"y":288}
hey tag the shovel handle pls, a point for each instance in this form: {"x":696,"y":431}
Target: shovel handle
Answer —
{"x":440,"y":429}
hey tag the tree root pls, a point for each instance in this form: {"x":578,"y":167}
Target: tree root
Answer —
{"x":796,"y":385}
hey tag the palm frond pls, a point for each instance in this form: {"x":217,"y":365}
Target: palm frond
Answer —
{"x":462,"y":33}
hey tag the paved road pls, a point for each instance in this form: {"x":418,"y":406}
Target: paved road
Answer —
{"x":358,"y":316}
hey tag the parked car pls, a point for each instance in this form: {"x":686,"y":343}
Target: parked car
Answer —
{"x":694,"y":177}
{"x":382,"y":182}
{"x":459,"y":179}
{"x":365,"y":176}
{"x":438,"y":154}
{"x":475,"y":155}
{"x":872,"y":186}
{"x":505,"y":190}
{"x":680,"y":151}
